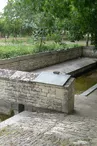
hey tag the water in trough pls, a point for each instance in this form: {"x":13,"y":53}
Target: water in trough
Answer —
{"x":85,"y":81}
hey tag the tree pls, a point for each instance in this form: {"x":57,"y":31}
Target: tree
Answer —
{"x":41,"y":14}
{"x":13,"y":22}
{"x":77,"y":17}
{"x":87,"y":10}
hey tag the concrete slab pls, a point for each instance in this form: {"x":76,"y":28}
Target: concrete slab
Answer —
{"x":52,"y":78}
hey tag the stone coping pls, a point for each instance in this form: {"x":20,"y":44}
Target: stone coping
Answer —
{"x":17,"y":75}
{"x":31,"y":77}
{"x":89,"y":91}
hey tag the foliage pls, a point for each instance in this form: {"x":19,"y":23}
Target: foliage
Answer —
{"x":34,"y":16}
{"x":13,"y":22}
{"x":87,"y":10}
{"x":43,"y":18}
{"x":26,"y":46}
{"x":11,"y":113}
{"x":3,"y":117}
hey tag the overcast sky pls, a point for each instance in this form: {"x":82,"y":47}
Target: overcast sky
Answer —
{"x":2,"y":4}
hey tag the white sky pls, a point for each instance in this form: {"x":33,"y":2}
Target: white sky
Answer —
{"x":2,"y":4}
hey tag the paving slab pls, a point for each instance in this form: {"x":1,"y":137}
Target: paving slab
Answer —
{"x":52,"y":78}
{"x":69,"y":66}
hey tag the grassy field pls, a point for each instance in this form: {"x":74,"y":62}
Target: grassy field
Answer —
{"x":23,"y":46}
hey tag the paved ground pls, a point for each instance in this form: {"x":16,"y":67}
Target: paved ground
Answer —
{"x":87,"y":105}
{"x":69,"y":66}
{"x":49,"y":129}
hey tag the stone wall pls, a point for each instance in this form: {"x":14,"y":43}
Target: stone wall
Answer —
{"x":18,"y":87}
{"x":40,"y":60}
{"x":89,"y":52}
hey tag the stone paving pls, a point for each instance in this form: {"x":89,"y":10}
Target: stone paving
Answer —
{"x":35,"y":129}
{"x":53,"y":129}
{"x":86,"y":105}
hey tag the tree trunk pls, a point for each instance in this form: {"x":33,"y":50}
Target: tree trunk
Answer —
{"x":87,"y":40}
{"x":92,"y":39}
{"x":95,"y":40}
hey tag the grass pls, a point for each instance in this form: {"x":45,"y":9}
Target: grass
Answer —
{"x":4,"y":117}
{"x":9,"y":51}
{"x":23,"y":46}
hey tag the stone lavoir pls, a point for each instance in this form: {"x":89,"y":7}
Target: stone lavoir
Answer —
{"x":49,"y":91}
{"x":26,"y":91}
